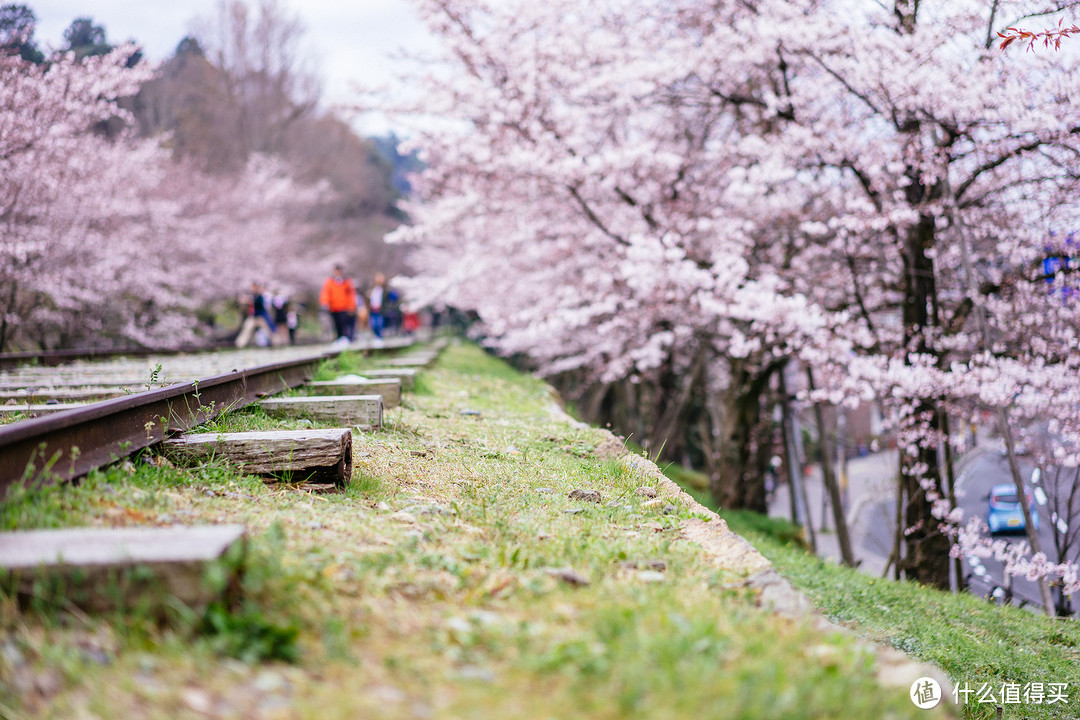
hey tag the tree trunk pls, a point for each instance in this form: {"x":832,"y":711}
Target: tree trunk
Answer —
{"x":672,"y":412}
{"x":742,"y":446}
{"x":927,"y":557}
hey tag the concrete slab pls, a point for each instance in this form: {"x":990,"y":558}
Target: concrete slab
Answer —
{"x":102,"y":568}
{"x":407,"y":376}
{"x":388,"y":388}
{"x":363,"y":411}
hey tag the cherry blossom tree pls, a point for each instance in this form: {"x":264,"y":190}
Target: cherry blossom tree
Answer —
{"x":622,"y":199}
{"x":47,"y":160}
{"x":686,"y":195}
{"x":109,"y":237}
{"x":959,"y":163}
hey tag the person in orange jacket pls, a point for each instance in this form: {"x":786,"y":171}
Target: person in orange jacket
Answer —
{"x":338,"y":297}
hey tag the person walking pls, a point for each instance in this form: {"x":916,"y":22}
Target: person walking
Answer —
{"x":375,"y":307}
{"x":338,"y":297}
{"x":292,"y":321}
{"x":410,"y":320}
{"x":256,"y":317}
{"x":280,"y":303}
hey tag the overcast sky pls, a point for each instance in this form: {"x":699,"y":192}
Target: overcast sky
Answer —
{"x":350,"y":40}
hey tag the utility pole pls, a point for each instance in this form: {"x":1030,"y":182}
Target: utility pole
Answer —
{"x":798,"y":489}
{"x":831,"y":485}
{"x":950,"y":474}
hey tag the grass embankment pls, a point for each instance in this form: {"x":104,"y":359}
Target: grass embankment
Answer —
{"x":976,"y":643}
{"x":453,"y":578}
{"x":979,"y":646}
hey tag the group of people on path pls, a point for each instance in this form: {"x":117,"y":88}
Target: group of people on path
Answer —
{"x":339,"y":297}
{"x":272,"y":314}
{"x":268,"y":316}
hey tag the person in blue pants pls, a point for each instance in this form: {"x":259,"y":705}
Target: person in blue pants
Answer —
{"x":375,"y":305}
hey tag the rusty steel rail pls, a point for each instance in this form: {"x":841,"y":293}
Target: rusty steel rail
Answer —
{"x":69,"y":444}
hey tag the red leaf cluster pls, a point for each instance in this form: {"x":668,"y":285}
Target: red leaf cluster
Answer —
{"x":1051,"y":36}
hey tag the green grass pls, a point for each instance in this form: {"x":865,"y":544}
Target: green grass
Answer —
{"x":453,"y":577}
{"x":8,"y":418}
{"x":974,"y":642}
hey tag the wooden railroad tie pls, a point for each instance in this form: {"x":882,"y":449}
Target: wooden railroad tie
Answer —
{"x":412,"y":361}
{"x":310,"y":455}
{"x":41,"y":395}
{"x":390,"y":343}
{"x":59,"y":382}
{"x":102,"y":568}
{"x":407,"y":376}
{"x":363,"y":411}
{"x":38,"y":409}
{"x":388,"y":388}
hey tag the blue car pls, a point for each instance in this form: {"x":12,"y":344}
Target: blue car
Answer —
{"x":1003,"y":511}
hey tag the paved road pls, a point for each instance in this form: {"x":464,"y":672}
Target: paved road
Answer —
{"x":869,"y":513}
{"x":870,"y":509}
{"x":983,"y":469}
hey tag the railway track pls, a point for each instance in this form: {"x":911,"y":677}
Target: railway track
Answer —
{"x":192,"y":390}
